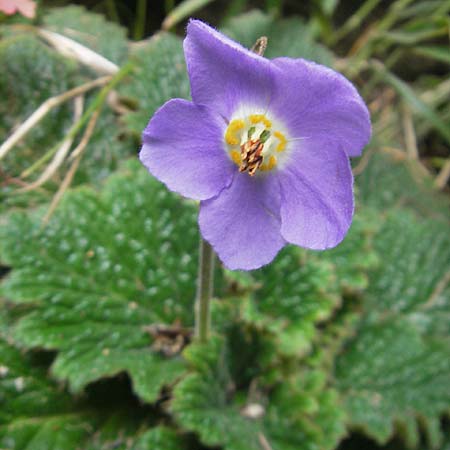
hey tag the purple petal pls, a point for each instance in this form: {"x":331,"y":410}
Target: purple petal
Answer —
{"x":316,"y":102}
{"x":183,"y":147}
{"x":242,"y":223}
{"x":316,"y":195}
{"x":223,"y":74}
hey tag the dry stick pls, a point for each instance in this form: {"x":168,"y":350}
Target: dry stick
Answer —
{"x":438,"y":290}
{"x":73,"y":49}
{"x":96,"y":103}
{"x":410,"y":135}
{"x":441,"y":180}
{"x":77,"y":154}
{"x":60,"y":155}
{"x":45,"y":108}
{"x":264,"y":442}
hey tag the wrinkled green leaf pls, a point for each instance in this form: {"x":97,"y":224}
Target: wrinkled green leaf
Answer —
{"x":31,"y":73}
{"x":99,"y":274}
{"x":312,"y":287}
{"x":35,"y":413}
{"x":414,"y":278}
{"x":89,"y":29}
{"x":159,"y":438}
{"x":290,"y":310}
{"x":389,"y":375}
{"x":159,"y":75}
{"x":388,"y":182}
{"x":394,"y":373}
{"x":299,"y":414}
{"x":105,"y":151}
{"x":287,"y":37}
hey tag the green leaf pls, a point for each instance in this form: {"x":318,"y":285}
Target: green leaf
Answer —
{"x":34,"y":413}
{"x":356,"y":256}
{"x":388,"y":181}
{"x":394,"y":373}
{"x":291,"y":309}
{"x":31,"y":73}
{"x":414,"y":279}
{"x":312,"y":289}
{"x":105,"y":269}
{"x":159,"y":438}
{"x":288,"y":37}
{"x":299,"y":414}
{"x":389,"y":375}
{"x":104,"y":152}
{"x":89,"y":29}
{"x":159,"y":74}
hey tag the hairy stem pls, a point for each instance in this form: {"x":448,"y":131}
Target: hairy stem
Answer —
{"x":204,"y":291}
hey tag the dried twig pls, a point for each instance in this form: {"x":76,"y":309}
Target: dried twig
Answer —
{"x":264,"y":442}
{"x":442,"y":179}
{"x":78,"y":153}
{"x":437,"y":291}
{"x":72,"y":49}
{"x":60,"y":154}
{"x":410,"y":136}
{"x":45,"y":108}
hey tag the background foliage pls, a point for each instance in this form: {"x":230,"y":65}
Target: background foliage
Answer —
{"x":348,"y":348}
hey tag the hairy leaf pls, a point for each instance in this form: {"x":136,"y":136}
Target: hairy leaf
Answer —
{"x":389,"y":375}
{"x":392,"y":181}
{"x":159,"y":74}
{"x":395,"y":371}
{"x":312,"y":287}
{"x":104,"y":270}
{"x":34,"y":413}
{"x":414,"y":279}
{"x":297,"y":414}
{"x":89,"y":29}
{"x":287,"y":37}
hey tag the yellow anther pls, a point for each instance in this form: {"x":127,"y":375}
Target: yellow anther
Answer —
{"x":269,"y":165}
{"x":260,"y":118}
{"x":232,"y":132}
{"x":272,"y":162}
{"x":236,"y":157}
{"x":282,"y":144}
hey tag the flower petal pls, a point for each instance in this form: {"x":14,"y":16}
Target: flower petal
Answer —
{"x":242,"y":223}
{"x":183,"y":148}
{"x":223,"y":74}
{"x":316,"y":195}
{"x":317,"y":102}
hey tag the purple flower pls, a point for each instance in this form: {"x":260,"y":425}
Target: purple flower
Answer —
{"x":264,"y":146}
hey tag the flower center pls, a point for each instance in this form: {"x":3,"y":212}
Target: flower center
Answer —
{"x":253,"y":144}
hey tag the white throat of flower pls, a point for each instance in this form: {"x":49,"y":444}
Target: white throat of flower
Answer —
{"x":255,"y":143}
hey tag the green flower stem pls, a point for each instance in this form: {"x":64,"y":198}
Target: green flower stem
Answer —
{"x":205,"y":284}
